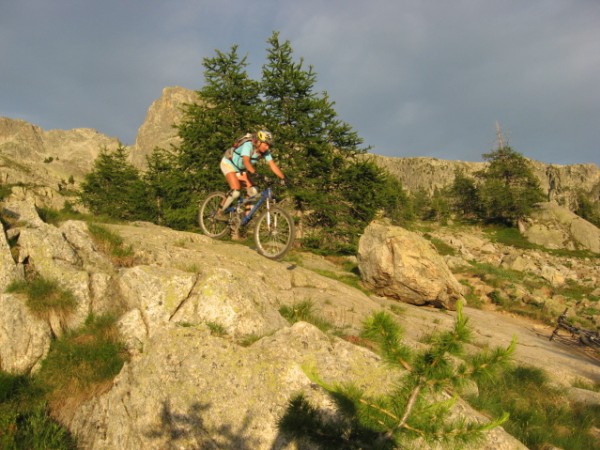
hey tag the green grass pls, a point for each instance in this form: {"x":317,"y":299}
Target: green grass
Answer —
{"x":498,"y":277}
{"x":349,"y":279}
{"x":304,"y":312}
{"x":473,"y":300}
{"x":112,"y":245}
{"x":441,"y":247}
{"x":45,"y":296}
{"x":25,"y":422}
{"x":83,"y":361}
{"x":55,"y":217}
{"x":540,"y":414}
{"x":216,"y":329}
{"x":574,"y":290}
{"x":79,"y":365}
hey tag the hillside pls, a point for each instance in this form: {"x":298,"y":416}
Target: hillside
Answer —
{"x":212,"y":361}
{"x":227,"y":386}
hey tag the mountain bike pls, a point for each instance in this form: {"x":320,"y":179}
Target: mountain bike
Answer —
{"x":584,"y":337}
{"x":274,"y":232}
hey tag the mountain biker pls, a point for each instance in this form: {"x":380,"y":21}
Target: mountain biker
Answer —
{"x":239,"y":167}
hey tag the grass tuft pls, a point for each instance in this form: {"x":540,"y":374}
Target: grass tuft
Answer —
{"x":304,"y":312}
{"x":83,"y":362}
{"x":112,"y":245}
{"x":25,"y":422}
{"x":45,"y":296}
{"x":540,"y":415}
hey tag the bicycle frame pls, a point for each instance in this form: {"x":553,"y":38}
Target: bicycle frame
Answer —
{"x":265,"y":196}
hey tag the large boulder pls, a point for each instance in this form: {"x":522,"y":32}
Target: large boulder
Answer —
{"x":400,"y":264}
{"x":555,"y":227}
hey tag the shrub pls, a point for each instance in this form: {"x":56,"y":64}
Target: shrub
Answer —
{"x":540,"y":415}
{"x":409,"y":411}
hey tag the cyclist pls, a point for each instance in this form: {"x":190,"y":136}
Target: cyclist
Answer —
{"x":238,"y":167}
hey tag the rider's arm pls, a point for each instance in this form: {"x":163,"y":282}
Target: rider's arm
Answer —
{"x":248,"y":165}
{"x":276,"y":170}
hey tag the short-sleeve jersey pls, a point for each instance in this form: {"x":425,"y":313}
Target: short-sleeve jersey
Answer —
{"x":246,"y":149}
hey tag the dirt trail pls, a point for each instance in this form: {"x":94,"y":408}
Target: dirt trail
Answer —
{"x":563,"y":359}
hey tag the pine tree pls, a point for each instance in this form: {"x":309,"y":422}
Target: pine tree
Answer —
{"x":418,"y":408}
{"x":115,"y":189}
{"x":336,"y":194}
{"x":227,"y":107}
{"x":168,"y":187}
{"x":509,"y":188}
{"x":465,"y":195}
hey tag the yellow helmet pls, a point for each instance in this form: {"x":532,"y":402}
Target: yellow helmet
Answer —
{"x":265,"y":136}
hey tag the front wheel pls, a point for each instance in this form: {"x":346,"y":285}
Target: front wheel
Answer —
{"x":274,"y":233}
{"x":209,"y":225}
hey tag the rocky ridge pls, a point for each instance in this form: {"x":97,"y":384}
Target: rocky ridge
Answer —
{"x":33,"y":156}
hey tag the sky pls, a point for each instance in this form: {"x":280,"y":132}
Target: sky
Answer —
{"x":414,"y":78}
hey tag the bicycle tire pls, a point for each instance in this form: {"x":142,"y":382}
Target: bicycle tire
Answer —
{"x":209,"y":225}
{"x":274,"y":233}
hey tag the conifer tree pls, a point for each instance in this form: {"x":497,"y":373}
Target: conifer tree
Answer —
{"x":227,"y":107}
{"x":509,"y":188}
{"x":420,"y":404}
{"x":336,"y":193}
{"x":465,"y":195}
{"x":114,"y":188}
{"x":168,"y":188}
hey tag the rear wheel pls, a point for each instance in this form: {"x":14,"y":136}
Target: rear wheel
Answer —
{"x":209,"y":225}
{"x":274,"y":233}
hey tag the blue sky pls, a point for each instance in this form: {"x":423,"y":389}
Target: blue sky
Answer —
{"x":412,"y":77}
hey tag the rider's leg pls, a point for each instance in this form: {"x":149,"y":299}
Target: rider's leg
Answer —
{"x":250,"y":190}
{"x":234,"y":194}
{"x":234,"y":185}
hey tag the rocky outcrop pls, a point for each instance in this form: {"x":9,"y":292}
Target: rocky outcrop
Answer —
{"x":553,"y":226}
{"x":185,"y":385}
{"x":400,"y":264}
{"x":560,"y":183}
{"x":190,"y":389}
{"x":158,"y":130}
{"x":24,"y":338}
{"x":31,"y":155}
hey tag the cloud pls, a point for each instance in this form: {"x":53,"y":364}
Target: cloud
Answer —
{"x":413,"y":77}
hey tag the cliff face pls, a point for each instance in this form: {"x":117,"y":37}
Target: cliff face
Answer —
{"x":559,"y":182}
{"x":158,"y":127}
{"x":51,"y":161}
